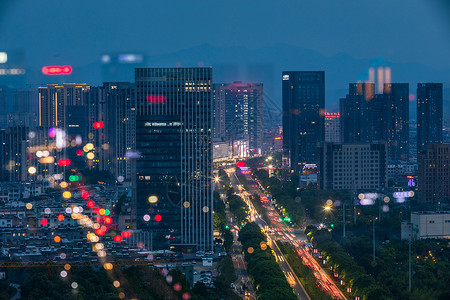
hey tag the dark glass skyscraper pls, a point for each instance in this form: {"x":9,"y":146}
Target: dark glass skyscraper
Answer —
{"x":173,"y":139}
{"x":354,"y":112}
{"x":369,"y":117}
{"x":398,"y":121}
{"x":429,"y":114}
{"x":303,"y":116}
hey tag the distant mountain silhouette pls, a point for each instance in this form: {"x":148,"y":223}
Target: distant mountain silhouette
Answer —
{"x":266,"y":64}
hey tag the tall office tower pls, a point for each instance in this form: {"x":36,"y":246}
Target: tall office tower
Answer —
{"x":239,"y":113}
{"x":119,"y":127}
{"x":219,"y":96}
{"x":173,"y":137}
{"x":346,"y":166}
{"x":53,"y":100}
{"x":4,"y":100}
{"x":398,"y":120}
{"x":332,"y":127}
{"x":354,"y":113}
{"x":369,"y":117}
{"x":4,"y":173}
{"x":429,"y":114}
{"x":16,"y":152}
{"x":303,"y":116}
{"x":434,"y":174}
{"x":95,"y":105}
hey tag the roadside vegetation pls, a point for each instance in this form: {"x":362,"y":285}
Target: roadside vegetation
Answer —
{"x":303,"y":272}
{"x":267,"y":276}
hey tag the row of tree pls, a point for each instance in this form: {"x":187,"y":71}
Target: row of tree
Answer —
{"x":303,"y":272}
{"x":267,"y":276}
{"x":355,"y":276}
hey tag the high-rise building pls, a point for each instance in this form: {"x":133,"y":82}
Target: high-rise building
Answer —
{"x":303,"y":116}
{"x":398,"y":121}
{"x":238,"y":113}
{"x":174,"y":141}
{"x":429,"y":114}
{"x":434,"y":174}
{"x":354,"y":113}
{"x":368,"y":117}
{"x":4,"y":173}
{"x":53,"y":100}
{"x":332,"y":127}
{"x":347,"y":166}
{"x":16,"y":153}
{"x":119,"y":128}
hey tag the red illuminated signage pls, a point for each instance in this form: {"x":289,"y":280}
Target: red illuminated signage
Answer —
{"x":277,"y":138}
{"x":156,"y":99}
{"x":240,"y":164}
{"x":57,"y":70}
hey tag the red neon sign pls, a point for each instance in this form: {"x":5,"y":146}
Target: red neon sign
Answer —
{"x":57,"y":70}
{"x":277,"y":138}
{"x":156,"y":99}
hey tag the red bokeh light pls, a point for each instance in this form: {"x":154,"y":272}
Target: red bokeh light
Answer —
{"x":96,"y":211}
{"x":240,"y":164}
{"x":117,"y":238}
{"x":125,"y":234}
{"x":97,"y":125}
{"x":79,"y":152}
{"x":61,"y":217}
{"x":64,"y":162}
{"x":158,"y":218}
{"x":85,"y":195}
{"x":44,"y":222}
{"x":90,"y":203}
{"x":108,"y":220}
{"x":156,"y":99}
{"x":99,"y":231}
{"x":56,"y":70}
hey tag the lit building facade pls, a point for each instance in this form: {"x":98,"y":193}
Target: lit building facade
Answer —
{"x":359,"y":166}
{"x":174,"y":141}
{"x":303,"y":116}
{"x":332,"y":127}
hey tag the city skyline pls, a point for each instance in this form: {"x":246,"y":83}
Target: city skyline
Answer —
{"x":255,"y":150}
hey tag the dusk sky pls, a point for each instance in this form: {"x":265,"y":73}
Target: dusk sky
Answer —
{"x":398,"y":30}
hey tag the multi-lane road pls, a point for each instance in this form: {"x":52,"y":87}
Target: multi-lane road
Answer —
{"x":271,"y":238}
{"x":278,"y":230}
